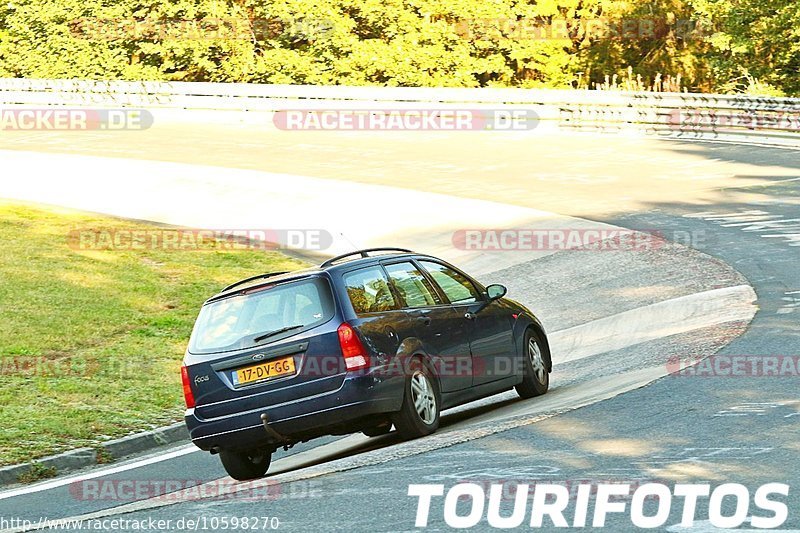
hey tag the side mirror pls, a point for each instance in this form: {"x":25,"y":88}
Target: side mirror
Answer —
{"x":495,"y":291}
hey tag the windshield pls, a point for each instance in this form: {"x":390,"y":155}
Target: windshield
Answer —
{"x":237,"y":321}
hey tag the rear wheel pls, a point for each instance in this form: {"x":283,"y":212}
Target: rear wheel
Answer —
{"x":242,"y":466}
{"x":536,"y":378}
{"x":377,"y":431}
{"x":419,"y":415}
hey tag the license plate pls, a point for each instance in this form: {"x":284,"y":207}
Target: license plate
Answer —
{"x":262,"y":371}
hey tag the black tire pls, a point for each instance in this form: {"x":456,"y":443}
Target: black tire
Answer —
{"x":410,"y":424}
{"x":535,"y":356}
{"x":242,"y":466}
{"x":377,"y":431}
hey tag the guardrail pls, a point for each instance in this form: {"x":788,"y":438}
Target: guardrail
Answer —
{"x":764,"y":120}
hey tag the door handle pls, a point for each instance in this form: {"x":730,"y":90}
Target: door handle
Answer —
{"x":470,"y":316}
{"x":425,"y":320}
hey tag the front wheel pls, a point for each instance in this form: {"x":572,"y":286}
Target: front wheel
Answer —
{"x":242,"y":466}
{"x":536,"y":378}
{"x":419,"y":415}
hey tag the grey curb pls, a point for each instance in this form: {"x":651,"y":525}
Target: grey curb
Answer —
{"x":113,"y":449}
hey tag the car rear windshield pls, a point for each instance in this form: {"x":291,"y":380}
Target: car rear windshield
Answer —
{"x":237,"y":322}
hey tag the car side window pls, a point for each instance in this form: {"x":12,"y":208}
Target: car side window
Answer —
{"x":412,"y":286}
{"x":368,"y":290}
{"x":457,"y":288}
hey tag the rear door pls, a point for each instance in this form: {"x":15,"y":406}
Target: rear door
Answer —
{"x":442,"y":332}
{"x":380,"y":319}
{"x":490,"y":334}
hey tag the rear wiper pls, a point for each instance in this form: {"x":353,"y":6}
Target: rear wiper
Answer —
{"x":277,"y":332}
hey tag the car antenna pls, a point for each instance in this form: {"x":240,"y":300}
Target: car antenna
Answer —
{"x":348,"y":241}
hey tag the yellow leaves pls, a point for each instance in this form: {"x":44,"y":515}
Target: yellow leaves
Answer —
{"x":424,"y":42}
{"x":547,"y":8}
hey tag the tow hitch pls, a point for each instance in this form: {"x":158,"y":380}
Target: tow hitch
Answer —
{"x":274,"y":435}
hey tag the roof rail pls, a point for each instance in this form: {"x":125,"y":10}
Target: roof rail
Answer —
{"x":253,"y":278}
{"x":364,"y":253}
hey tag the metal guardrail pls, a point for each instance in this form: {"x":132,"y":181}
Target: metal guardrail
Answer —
{"x":765,"y":120}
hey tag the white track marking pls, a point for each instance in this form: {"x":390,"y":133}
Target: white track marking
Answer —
{"x":294,"y":461}
{"x":183,"y":450}
{"x":765,"y":224}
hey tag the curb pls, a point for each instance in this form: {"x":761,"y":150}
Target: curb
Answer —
{"x":112,"y":450}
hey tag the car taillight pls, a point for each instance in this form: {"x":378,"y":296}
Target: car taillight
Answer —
{"x":188,"y":395}
{"x":355,"y":356}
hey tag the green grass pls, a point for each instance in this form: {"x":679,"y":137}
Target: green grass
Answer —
{"x":37,"y":472}
{"x":91,"y":341}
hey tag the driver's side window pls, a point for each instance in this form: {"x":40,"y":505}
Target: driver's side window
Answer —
{"x":457,"y":288}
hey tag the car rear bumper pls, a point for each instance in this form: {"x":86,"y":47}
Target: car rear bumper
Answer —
{"x":361,"y":396}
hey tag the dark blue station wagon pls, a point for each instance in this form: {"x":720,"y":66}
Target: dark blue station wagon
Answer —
{"x":371,"y":340}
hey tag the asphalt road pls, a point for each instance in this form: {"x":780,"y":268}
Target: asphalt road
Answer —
{"x":714,"y":429}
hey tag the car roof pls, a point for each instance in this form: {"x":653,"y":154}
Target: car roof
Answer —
{"x":345,"y":261}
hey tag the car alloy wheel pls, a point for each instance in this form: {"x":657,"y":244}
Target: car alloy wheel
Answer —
{"x":535,"y":358}
{"x":419,"y":413}
{"x":423,"y":397}
{"x":537,"y":361}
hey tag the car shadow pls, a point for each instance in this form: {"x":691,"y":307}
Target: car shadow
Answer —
{"x":464,"y":413}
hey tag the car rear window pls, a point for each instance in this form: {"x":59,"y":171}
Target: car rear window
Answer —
{"x":234,"y":322}
{"x":368,"y":290}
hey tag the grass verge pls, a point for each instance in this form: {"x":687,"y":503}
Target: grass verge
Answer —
{"x":91,"y":340}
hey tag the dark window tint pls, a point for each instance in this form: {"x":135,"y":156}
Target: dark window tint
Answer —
{"x":368,"y":290}
{"x":457,"y":288}
{"x":411,"y":285}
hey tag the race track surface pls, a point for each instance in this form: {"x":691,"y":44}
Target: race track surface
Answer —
{"x":726,"y":283}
